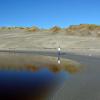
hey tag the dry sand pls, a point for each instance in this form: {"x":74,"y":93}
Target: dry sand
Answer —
{"x":21,"y":39}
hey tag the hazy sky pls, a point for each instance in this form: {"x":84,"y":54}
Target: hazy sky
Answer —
{"x":47,"y":13}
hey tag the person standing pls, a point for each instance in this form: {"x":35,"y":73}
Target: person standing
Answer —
{"x":59,"y":49}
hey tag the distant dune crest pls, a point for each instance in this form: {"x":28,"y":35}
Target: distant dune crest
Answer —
{"x":80,"y":30}
{"x":55,"y":29}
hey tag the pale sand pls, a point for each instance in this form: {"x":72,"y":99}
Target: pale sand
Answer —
{"x":46,"y":41}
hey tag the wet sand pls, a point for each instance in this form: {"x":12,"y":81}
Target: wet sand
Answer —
{"x":84,"y":85}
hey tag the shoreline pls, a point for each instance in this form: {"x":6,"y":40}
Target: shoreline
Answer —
{"x":86,"y":52}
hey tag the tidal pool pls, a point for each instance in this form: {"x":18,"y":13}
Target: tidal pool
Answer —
{"x":28,"y":77}
{"x":27,"y":85}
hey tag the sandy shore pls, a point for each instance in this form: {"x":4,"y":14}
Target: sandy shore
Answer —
{"x":45,"y":41}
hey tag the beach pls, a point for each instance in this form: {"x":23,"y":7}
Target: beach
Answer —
{"x":85,"y":50}
{"x":19,"y":39}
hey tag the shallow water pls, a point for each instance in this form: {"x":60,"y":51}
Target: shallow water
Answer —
{"x":29,"y":85}
{"x":66,"y":84}
{"x":25,"y":77}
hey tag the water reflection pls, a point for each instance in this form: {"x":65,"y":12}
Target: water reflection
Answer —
{"x":29,"y":85}
{"x":28,"y":78}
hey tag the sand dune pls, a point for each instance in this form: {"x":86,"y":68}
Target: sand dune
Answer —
{"x":81,"y":39}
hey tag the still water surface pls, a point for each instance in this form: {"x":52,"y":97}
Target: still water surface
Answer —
{"x":29,"y":85}
{"x":28,"y":77}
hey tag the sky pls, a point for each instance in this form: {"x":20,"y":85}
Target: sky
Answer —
{"x":48,"y":13}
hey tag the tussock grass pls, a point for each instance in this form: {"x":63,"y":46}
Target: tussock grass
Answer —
{"x":33,"y":29}
{"x":55,"y":29}
{"x":83,"y":26}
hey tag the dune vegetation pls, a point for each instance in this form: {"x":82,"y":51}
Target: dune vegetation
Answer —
{"x":78,"y":30}
{"x":55,"y":29}
{"x":84,"y":26}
